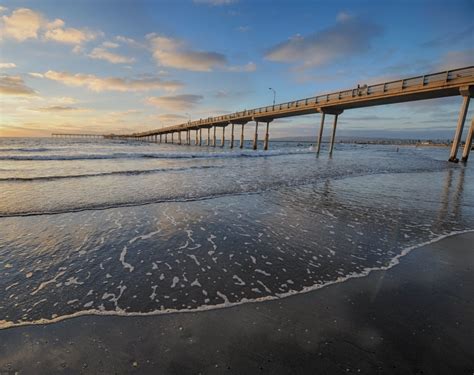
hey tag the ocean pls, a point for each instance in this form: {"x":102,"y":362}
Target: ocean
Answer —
{"x":131,"y":228}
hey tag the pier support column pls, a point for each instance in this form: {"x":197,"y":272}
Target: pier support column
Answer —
{"x":461,"y":119}
{"x":320,"y":136}
{"x":214,"y":137}
{"x":188,"y":134}
{"x":200,"y":137}
{"x":223,"y":137}
{"x":468,"y":144}
{"x":333,"y":135}
{"x":179,"y":138}
{"x":232,"y":135}
{"x":166,"y":138}
{"x":161,"y":138}
{"x":242,"y":137}
{"x":265,"y":145}
{"x":208,"y":137}
{"x":255,"y":137}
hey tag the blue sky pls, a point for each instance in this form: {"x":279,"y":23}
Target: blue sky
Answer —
{"x":125,"y":66}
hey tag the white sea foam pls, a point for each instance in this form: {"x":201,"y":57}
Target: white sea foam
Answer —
{"x":120,"y":312}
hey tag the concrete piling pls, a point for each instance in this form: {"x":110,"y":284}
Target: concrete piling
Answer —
{"x":232,"y":135}
{"x":320,"y":136}
{"x":468,"y":144}
{"x":265,"y":145}
{"x":255,"y":137}
{"x":214,"y":138}
{"x":223,"y":137}
{"x":242,"y":137}
{"x":333,"y":135}
{"x":461,"y":119}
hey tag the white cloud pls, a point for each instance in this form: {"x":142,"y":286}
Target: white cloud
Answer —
{"x":7,"y":65}
{"x":101,"y":53}
{"x":21,"y":25}
{"x":36,"y":75}
{"x":169,"y":52}
{"x":24,"y":23}
{"x":14,"y":85}
{"x":174,"y":53}
{"x":57,"y":32}
{"x":98,"y":84}
{"x":175,"y":102}
{"x":348,"y":37}
{"x":131,"y":42}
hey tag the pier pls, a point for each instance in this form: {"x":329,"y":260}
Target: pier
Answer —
{"x":67,"y":135}
{"x":456,"y":82}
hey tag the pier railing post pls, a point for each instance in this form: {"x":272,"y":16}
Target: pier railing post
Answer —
{"x":320,"y":136}
{"x":242,"y":137}
{"x":255,"y":137}
{"x":468,"y":144}
{"x":461,"y":119}
{"x":232,"y":135}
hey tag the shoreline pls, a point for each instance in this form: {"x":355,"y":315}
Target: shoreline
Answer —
{"x":423,"y":292}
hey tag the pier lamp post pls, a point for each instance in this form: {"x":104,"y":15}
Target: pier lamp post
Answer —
{"x":274,"y":95}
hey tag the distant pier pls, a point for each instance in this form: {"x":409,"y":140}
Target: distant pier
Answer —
{"x":67,"y":135}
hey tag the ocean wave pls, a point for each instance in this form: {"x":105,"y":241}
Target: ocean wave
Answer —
{"x":162,"y":155}
{"x":113,"y":173}
{"x":25,"y":149}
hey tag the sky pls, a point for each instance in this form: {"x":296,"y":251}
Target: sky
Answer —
{"x":90,"y":66}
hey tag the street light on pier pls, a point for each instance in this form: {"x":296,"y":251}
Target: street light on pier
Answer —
{"x":274,"y":94}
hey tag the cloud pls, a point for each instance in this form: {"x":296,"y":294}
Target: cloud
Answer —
{"x":175,"y":102}
{"x":22,"y":24}
{"x":173,"y":53}
{"x":215,"y":2}
{"x":14,"y":85}
{"x":99,"y":84}
{"x":243,"y":29}
{"x":131,"y":42}
{"x":57,"y":108}
{"x":102,"y":53}
{"x":7,"y":65}
{"x":169,"y":118}
{"x":451,"y":38}
{"x":348,"y":37}
{"x":36,"y":75}
{"x":250,"y":67}
{"x":57,"y":32}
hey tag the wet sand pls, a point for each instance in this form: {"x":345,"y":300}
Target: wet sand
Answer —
{"x":415,"y":318}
